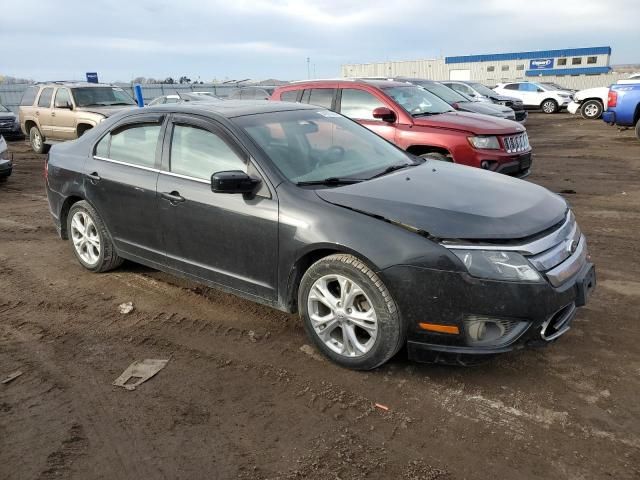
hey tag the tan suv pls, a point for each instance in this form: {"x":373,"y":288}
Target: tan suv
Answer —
{"x":57,"y":111}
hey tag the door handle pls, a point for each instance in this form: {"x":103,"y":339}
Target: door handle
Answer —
{"x":53,"y":114}
{"x":94,"y":177}
{"x":173,"y":197}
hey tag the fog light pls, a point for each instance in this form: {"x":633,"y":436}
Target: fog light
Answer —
{"x":485,"y":331}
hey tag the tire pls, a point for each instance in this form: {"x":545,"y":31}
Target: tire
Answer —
{"x":37,"y":141}
{"x":436,"y":156}
{"x":96,"y":259}
{"x":549,"y":106}
{"x":591,"y":110}
{"x":372,"y":303}
{"x":638,"y":129}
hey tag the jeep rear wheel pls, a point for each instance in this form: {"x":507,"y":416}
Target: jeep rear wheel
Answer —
{"x":37,"y":141}
{"x":549,"y":106}
{"x":591,"y":109}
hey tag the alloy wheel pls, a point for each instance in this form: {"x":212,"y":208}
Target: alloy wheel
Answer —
{"x":592,"y":110}
{"x":548,"y":107}
{"x":36,"y":141}
{"x":342,"y":315}
{"x":86,"y":239}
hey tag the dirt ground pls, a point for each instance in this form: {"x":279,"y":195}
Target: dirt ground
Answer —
{"x":240,"y":398}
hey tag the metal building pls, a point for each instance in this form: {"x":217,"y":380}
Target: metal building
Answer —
{"x":573,"y":67}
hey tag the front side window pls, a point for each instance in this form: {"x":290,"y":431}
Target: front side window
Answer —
{"x":308,"y":145}
{"x":358,"y":104}
{"x":199,"y":153}
{"x":62,"y":98}
{"x":101,"y":97}
{"x":528,"y":87}
{"x":135,"y":144}
{"x":417,"y":101}
{"x":45,"y":98}
{"x":322,"y":97}
{"x":289,"y":96}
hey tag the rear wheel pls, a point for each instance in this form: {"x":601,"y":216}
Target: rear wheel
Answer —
{"x":349,"y":314}
{"x":591,"y":109}
{"x":436,"y":156}
{"x":90,"y":240}
{"x":549,"y":106}
{"x":37,"y":141}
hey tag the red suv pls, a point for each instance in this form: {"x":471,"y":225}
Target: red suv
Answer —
{"x":420,"y":122}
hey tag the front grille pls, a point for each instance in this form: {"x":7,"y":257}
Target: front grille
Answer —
{"x":6,"y":123}
{"x":516,"y":143}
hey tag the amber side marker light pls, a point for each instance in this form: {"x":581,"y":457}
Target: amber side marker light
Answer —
{"x":434,"y":327}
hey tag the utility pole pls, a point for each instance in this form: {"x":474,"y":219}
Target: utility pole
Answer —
{"x":308,"y":68}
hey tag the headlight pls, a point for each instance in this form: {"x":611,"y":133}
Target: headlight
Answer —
{"x":485,"y":143}
{"x":497,"y":265}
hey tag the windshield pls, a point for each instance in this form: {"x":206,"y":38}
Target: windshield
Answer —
{"x":445,"y":93}
{"x":3,"y":108}
{"x":418,"y":101}
{"x":482,"y":90}
{"x":101,"y":97}
{"x":313,"y":145}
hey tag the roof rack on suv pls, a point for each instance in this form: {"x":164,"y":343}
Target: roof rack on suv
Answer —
{"x":327,"y":80}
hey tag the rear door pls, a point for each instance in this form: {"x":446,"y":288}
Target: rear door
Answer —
{"x":120,"y":182}
{"x":43,"y":111}
{"x":227,"y":239}
{"x":359,"y":104}
{"x":63,"y":120}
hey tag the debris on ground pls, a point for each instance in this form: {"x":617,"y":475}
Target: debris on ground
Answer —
{"x":125,"y":308}
{"x":139,"y":372}
{"x":11,"y":377}
{"x":382,"y":407}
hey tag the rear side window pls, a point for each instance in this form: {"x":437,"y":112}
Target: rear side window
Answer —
{"x":135,"y":144}
{"x":358,"y":104}
{"x":322,"y":97}
{"x":29,"y":96}
{"x":199,"y":153}
{"x":45,"y":97}
{"x":512,"y":86}
{"x":289,"y":96}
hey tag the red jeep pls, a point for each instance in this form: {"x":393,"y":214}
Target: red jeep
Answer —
{"x":420,"y":122}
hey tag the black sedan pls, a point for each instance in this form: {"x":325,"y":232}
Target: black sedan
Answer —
{"x":297,"y":207}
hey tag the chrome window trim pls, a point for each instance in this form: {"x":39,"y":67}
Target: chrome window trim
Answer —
{"x":185,"y":177}
{"x":532,"y":248}
{"x":126,"y":164}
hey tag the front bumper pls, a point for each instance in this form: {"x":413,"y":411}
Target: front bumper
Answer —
{"x":442,"y":297}
{"x":6,"y":167}
{"x":573,"y":108}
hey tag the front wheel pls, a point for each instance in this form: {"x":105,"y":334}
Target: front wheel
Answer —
{"x":90,"y":240}
{"x":591,"y":110}
{"x":349,"y":314}
{"x":549,"y":106}
{"x":37,"y":141}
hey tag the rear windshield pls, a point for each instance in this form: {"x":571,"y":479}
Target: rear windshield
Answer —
{"x":29,"y":96}
{"x":418,"y":101}
{"x":101,"y":97}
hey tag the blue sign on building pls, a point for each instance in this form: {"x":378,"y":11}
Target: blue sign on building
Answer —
{"x":541,"y":64}
{"x":92,"y":77}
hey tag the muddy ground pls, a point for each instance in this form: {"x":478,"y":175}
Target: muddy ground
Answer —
{"x":241,"y":399}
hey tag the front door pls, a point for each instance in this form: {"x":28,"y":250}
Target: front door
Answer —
{"x":359,"y":105}
{"x":43,"y":112}
{"x":120,"y":182}
{"x":63,"y":124}
{"x":228,"y":239}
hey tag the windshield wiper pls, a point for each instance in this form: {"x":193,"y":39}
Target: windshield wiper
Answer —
{"x":330,"y":181}
{"x":393,"y":168}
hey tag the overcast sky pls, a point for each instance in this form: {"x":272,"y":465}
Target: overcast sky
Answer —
{"x":272,"y":38}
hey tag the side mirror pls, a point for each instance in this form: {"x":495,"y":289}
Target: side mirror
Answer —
{"x":455,"y":106}
{"x":385,"y":114}
{"x":540,"y":90}
{"x":66,"y":105}
{"x":233,"y":181}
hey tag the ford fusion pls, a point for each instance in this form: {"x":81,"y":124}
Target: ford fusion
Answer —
{"x":299,"y":208}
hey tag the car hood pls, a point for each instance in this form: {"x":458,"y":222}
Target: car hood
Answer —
{"x":454,"y":202}
{"x":105,"y":111}
{"x":597,"y":92}
{"x":484,"y":108}
{"x":470,"y":122}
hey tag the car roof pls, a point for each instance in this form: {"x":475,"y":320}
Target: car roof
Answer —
{"x":231,"y":108}
{"x":73,"y":84}
{"x":361,"y":81}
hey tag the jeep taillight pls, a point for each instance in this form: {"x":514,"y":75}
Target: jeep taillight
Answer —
{"x":612,"y":99}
